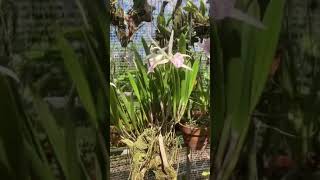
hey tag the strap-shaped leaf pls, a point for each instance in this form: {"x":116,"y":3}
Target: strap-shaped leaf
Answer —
{"x":55,"y":133}
{"x":78,"y":76}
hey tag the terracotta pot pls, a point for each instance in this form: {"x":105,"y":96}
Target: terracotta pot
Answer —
{"x":194,"y":137}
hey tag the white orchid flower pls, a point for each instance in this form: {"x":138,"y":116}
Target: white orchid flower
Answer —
{"x":162,"y":58}
{"x":155,"y":61}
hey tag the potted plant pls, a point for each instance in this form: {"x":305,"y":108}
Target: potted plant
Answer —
{"x":194,"y":127}
{"x":160,"y":94}
{"x":195,"y":135}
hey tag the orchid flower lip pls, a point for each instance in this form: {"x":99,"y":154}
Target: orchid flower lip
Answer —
{"x":177,"y":60}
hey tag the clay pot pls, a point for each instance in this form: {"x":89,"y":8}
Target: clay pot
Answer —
{"x":195,"y":138}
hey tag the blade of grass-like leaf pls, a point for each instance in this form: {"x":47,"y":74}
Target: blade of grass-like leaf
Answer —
{"x":142,"y":69}
{"x":274,"y":11}
{"x":231,"y":162}
{"x":164,"y":30}
{"x":117,"y":109}
{"x":34,"y":139}
{"x":170,"y":43}
{"x":97,"y":16}
{"x":41,"y":169}
{"x":85,"y":171}
{"x":233,"y":88}
{"x":145,"y":46}
{"x":133,"y":113}
{"x":266,"y":46}
{"x":234,"y":84}
{"x":217,"y":83}
{"x":134,"y":86}
{"x":11,"y":128}
{"x":182,"y":44}
{"x":102,"y":155}
{"x":128,"y":107}
{"x":72,"y":150}
{"x":3,"y":159}
{"x":113,"y":107}
{"x":77,"y":74}
{"x":223,"y":141}
{"x":248,"y":60}
{"x":193,"y":76}
{"x":176,"y":94}
{"x":54,"y":132}
{"x":202,"y":7}
{"x":98,"y":69}
{"x":252,"y":164}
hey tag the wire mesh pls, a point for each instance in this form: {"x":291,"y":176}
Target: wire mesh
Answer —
{"x":122,"y":58}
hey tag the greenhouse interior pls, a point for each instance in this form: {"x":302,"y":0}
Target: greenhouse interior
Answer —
{"x":160,"y":90}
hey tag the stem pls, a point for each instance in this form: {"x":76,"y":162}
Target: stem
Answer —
{"x":163,"y":153}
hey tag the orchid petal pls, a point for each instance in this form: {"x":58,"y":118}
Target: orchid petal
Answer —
{"x":170,"y":43}
{"x":154,"y":48}
{"x":185,"y":55}
{"x":150,"y":69}
{"x":155,"y":62}
{"x":177,"y":60}
{"x":186,"y":67}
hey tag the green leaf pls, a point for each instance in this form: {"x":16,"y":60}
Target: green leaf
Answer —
{"x":162,"y":21}
{"x":267,"y":42}
{"x":11,"y":126}
{"x":55,"y":133}
{"x":258,"y":48}
{"x":78,"y":76}
{"x":134,"y":86}
{"x":41,"y":169}
{"x":182,"y":44}
{"x":234,"y":84}
{"x":202,"y":7}
{"x":145,"y":46}
{"x":219,"y":98}
{"x":3,"y":158}
{"x":164,"y":30}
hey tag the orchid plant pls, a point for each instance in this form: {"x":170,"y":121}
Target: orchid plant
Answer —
{"x":161,"y":91}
